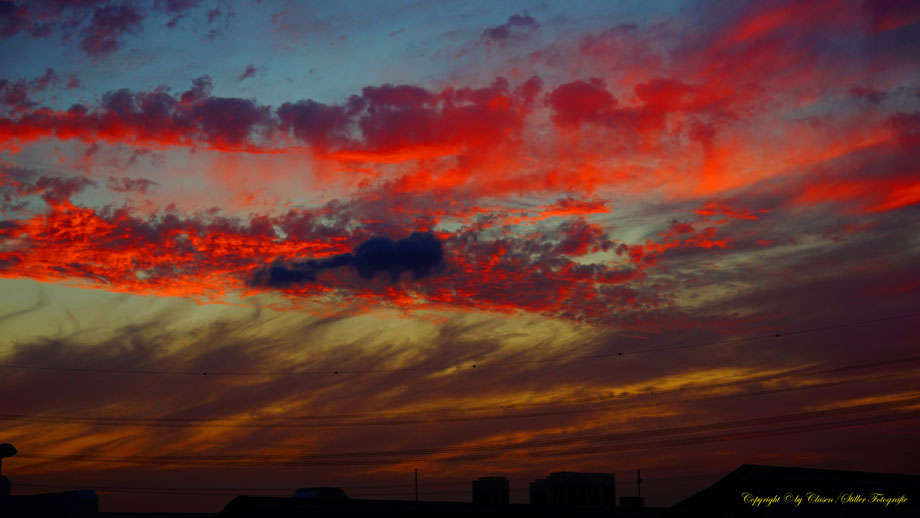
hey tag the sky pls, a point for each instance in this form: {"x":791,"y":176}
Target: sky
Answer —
{"x":247,"y":246}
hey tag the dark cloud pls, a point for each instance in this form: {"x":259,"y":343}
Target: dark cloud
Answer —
{"x":153,"y":117}
{"x":15,"y":18}
{"x":319,"y":124}
{"x":201,"y":88}
{"x":60,"y":189}
{"x":516,"y":24}
{"x":401,"y":96}
{"x":141,"y":185}
{"x":213,"y":14}
{"x":49,"y":78}
{"x":227,"y":120}
{"x":99,"y":25}
{"x":397,"y":117}
{"x":20,"y":182}
{"x":176,"y":9}
{"x":17,"y":95}
{"x":581,"y":237}
{"x":885,"y":15}
{"x":404,"y":119}
{"x":108,"y":25}
{"x":176,"y":6}
{"x":8,"y":224}
{"x":249,"y":72}
{"x":72,"y":82}
{"x":417,"y":254}
{"x":869,"y":94}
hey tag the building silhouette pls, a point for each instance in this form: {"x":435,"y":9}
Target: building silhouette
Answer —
{"x":632,"y":502}
{"x":571,"y":488}
{"x":837,"y":494}
{"x":325,"y":493}
{"x":491,"y":491}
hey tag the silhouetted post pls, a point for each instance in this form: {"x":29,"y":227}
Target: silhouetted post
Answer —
{"x":639,"y":483}
{"x":416,"y":484}
{"x":6,"y":450}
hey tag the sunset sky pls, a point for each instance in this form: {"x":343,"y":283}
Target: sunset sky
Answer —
{"x":247,"y":246}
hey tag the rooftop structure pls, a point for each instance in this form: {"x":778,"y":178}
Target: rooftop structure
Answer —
{"x":491,"y":491}
{"x":574,"y":489}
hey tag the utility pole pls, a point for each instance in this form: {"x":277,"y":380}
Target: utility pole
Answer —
{"x":416,"y":484}
{"x":639,"y":483}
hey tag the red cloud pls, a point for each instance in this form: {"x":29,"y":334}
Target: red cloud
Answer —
{"x":870,"y":195}
{"x":207,"y":257}
{"x":195,"y":257}
{"x":712,"y":208}
{"x":147,"y":118}
{"x":388,"y":121}
{"x":582,"y":101}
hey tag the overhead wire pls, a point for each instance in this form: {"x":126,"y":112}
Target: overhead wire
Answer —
{"x":360,"y":490}
{"x":349,"y":456}
{"x":360,"y":487}
{"x":489,"y":455}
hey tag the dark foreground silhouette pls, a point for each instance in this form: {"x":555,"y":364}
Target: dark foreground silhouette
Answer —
{"x":749,"y":491}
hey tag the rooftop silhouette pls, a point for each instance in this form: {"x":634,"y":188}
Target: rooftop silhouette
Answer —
{"x":750,"y":490}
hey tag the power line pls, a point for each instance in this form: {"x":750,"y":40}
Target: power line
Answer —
{"x":356,"y":490}
{"x":308,"y":421}
{"x":197,"y":492}
{"x":434,"y":483}
{"x":594,"y":450}
{"x":146,"y":489}
{"x":754,"y":434}
{"x":472,"y":365}
{"x":353,"y":457}
{"x":131,"y":490}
